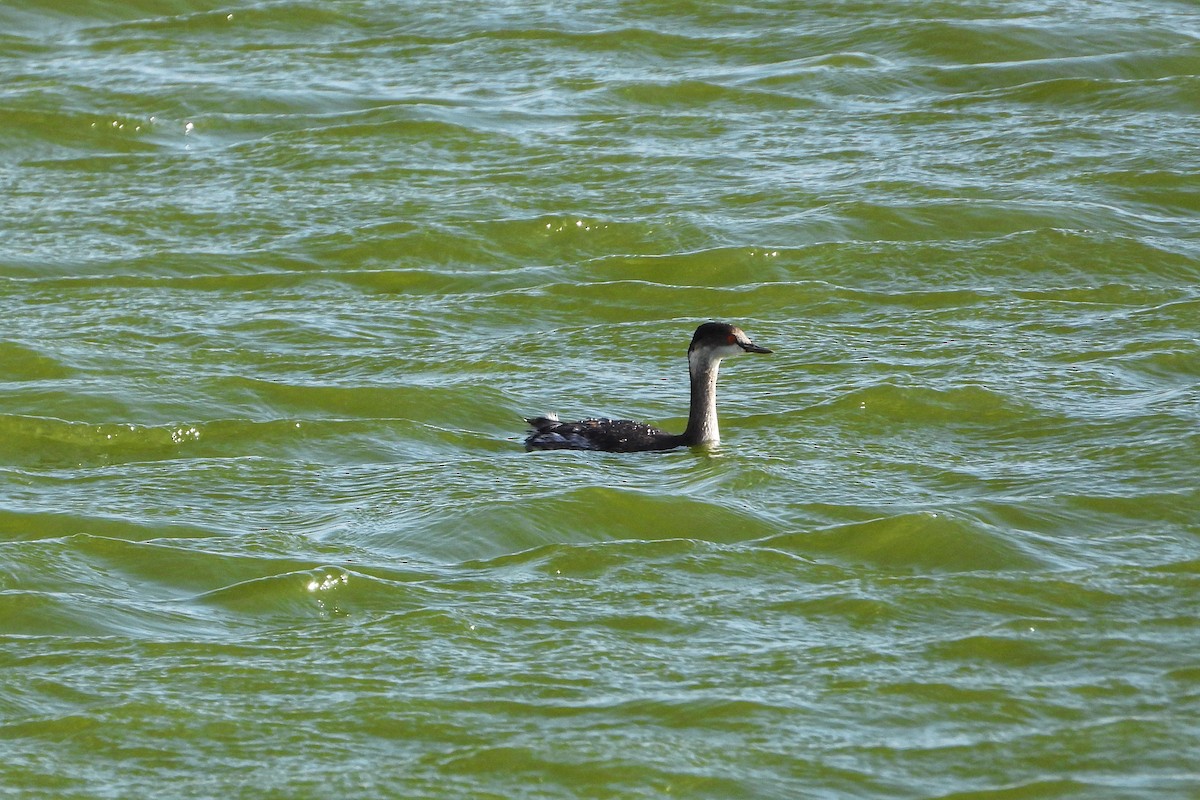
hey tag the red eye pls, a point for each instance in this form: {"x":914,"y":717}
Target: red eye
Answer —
{"x":731,"y":339}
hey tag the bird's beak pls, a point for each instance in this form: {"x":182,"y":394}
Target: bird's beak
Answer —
{"x":751,"y":347}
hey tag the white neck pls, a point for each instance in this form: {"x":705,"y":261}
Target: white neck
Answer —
{"x":702,"y":427}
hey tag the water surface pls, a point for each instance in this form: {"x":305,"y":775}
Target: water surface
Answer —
{"x":279,"y":280}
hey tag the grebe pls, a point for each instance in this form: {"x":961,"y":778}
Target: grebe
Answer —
{"x":712,"y":342}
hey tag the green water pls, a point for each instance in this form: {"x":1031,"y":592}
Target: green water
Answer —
{"x":279,"y":279}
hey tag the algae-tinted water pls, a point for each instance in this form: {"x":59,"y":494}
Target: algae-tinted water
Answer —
{"x":278,"y":281}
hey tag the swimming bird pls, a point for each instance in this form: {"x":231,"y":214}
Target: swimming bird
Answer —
{"x":711,"y":342}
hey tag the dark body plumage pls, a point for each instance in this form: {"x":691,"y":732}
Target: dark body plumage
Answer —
{"x":610,"y":435}
{"x":712,"y":342}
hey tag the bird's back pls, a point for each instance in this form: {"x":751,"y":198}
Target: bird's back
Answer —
{"x":609,"y":435}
